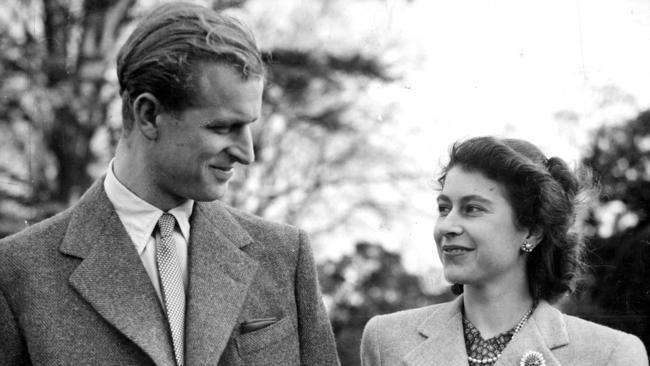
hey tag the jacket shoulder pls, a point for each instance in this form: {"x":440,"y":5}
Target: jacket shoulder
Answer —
{"x":405,"y":319}
{"x":276,"y":245}
{"x":388,"y":338}
{"x":27,"y":252}
{"x":31,"y":238}
{"x":264,"y":230}
{"x":400,"y":326}
{"x":618,"y":347}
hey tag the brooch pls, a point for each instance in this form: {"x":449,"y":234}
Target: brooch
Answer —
{"x":532,"y":358}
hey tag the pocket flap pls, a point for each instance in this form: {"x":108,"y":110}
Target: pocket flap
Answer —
{"x":253,"y":341}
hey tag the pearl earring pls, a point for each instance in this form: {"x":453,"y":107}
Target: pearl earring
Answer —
{"x":527,"y":247}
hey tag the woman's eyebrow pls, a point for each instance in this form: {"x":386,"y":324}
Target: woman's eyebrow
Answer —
{"x":475,"y":197}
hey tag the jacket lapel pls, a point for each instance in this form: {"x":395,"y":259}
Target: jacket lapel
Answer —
{"x":220,"y":275}
{"x":442,"y":334}
{"x":544,"y":332}
{"x":111,"y":276}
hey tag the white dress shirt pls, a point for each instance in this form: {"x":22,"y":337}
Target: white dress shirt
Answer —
{"x":140,"y":219}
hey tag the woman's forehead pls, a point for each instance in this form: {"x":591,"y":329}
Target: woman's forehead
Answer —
{"x":461,"y":182}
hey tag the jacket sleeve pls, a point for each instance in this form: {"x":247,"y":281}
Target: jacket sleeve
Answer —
{"x":629,"y":351}
{"x":317,"y":346}
{"x":12,"y":346}
{"x":369,"y":347}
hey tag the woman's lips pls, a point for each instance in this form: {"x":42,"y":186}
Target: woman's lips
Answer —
{"x":455,"y":249}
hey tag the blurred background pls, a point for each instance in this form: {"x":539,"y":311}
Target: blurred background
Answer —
{"x":363,"y":100}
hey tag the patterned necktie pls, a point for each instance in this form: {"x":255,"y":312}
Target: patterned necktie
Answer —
{"x":171,"y":284}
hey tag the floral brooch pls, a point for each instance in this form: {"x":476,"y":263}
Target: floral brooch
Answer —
{"x":532,"y":358}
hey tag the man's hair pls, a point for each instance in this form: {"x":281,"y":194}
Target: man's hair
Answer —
{"x":163,"y":54}
{"x":545,"y":195}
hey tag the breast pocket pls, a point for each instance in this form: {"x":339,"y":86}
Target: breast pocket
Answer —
{"x":276,"y":344}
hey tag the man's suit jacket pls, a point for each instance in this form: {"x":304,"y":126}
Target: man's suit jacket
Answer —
{"x":433,"y":335}
{"x":73,"y":291}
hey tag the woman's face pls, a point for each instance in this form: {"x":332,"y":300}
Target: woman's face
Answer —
{"x":476,"y":236}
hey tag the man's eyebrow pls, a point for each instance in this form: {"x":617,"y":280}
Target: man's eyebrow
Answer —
{"x":228,"y":122}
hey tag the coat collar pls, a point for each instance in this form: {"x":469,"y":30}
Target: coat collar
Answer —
{"x":442,"y":338}
{"x":443,"y":342}
{"x":113,"y":280}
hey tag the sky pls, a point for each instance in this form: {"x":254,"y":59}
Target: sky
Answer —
{"x":503,"y":67}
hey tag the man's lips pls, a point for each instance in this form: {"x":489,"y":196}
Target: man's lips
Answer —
{"x":223,"y":172}
{"x":224,"y":168}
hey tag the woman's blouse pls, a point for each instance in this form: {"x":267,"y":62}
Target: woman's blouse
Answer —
{"x":484,"y":349}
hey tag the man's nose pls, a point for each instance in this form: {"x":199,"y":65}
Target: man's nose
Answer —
{"x":241,"y":149}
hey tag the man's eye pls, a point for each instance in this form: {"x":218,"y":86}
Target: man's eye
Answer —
{"x":220,"y":129}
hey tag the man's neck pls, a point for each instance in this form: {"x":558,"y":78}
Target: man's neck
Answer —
{"x":131,"y":171}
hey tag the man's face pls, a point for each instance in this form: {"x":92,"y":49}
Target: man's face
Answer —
{"x":196,"y":149}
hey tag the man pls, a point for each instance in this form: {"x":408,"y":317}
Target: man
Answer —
{"x":144,"y":269}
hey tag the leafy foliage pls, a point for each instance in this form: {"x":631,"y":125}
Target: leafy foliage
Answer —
{"x":619,"y":293}
{"x":55,"y":98}
{"x":620,"y":155}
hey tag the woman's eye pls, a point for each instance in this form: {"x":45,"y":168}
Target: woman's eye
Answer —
{"x":443,"y":210}
{"x":473,"y":209}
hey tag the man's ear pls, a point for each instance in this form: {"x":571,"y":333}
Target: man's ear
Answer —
{"x":145,"y":109}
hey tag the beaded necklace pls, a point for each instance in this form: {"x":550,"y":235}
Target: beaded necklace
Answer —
{"x":516,"y":330}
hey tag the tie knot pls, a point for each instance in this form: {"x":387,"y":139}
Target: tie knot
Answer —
{"x":166,"y":223}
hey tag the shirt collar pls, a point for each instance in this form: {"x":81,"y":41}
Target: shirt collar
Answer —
{"x":138,"y":216}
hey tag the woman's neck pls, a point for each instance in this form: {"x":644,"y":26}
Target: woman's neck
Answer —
{"x":494,"y":310}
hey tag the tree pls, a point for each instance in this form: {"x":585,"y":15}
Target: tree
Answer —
{"x":370,"y":281}
{"x":56,"y":94}
{"x":620,"y":155}
{"x":619,"y":292}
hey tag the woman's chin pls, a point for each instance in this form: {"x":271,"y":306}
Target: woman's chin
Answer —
{"x":453,"y":276}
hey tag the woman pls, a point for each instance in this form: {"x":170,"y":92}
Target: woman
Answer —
{"x":503,"y":235}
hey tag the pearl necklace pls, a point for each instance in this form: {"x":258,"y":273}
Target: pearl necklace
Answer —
{"x":520,"y":325}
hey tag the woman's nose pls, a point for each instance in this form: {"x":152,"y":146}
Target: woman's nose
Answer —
{"x":449,"y":225}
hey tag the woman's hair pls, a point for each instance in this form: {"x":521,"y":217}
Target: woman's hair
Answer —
{"x":545,"y":195}
{"x":163,"y":54}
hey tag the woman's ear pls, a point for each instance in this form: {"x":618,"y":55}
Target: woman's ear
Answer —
{"x":535,"y":236}
{"x":145,"y":109}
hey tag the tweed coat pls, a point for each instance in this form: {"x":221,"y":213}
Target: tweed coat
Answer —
{"x":433,"y":335}
{"x":73,"y":291}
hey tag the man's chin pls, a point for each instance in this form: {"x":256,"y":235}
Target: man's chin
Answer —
{"x":222,"y":190}
{"x":214,"y":194}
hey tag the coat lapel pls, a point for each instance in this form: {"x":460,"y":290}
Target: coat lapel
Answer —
{"x":111,"y":276}
{"x":220,"y":275}
{"x":442,"y":334}
{"x":544,"y":332}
